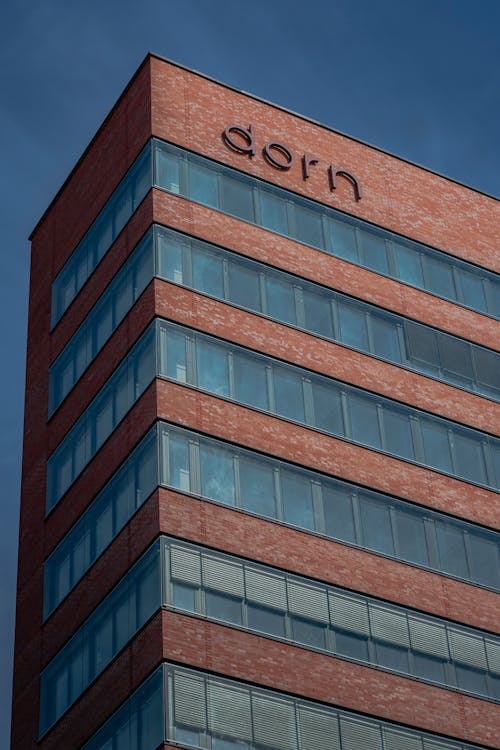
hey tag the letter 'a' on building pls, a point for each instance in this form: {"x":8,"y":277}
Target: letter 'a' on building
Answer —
{"x":261,"y":456}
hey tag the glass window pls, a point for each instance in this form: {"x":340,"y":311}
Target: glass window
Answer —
{"x":318,"y":314}
{"x":451,"y":549}
{"x":456,"y":358}
{"x":203,"y":186}
{"x":343,"y":240}
{"x":217,"y":474}
{"x":410,"y":535}
{"x":207,"y":272}
{"x":429,"y":667}
{"x":167,"y":170}
{"x":212,"y":367}
{"x":288,"y":394}
{"x":376,"y":524}
{"x":184,"y":596}
{"x":439,"y":277}
{"x":472,"y":290}
{"x":397,"y":433}
{"x":484,"y":559}
{"x":273,"y":212}
{"x":409,"y":265}
{"x":250,"y":380}
{"x":469,"y":458}
{"x":297,"y":500}
{"x":257,"y":487}
{"x":265,"y":619}
{"x":223,"y":607}
{"x":338,"y":513}
{"x":469,"y":678}
{"x":328,"y":409}
{"x":353,"y":330}
{"x":244,"y":286}
{"x":364,"y":421}
{"x":308,"y":226}
{"x":351,"y":645}
{"x":173,"y":362}
{"x":170,"y":257}
{"x":436,"y":445}
{"x":237,"y":198}
{"x":422,"y":346}
{"x":373,"y":252}
{"x":487,"y":368}
{"x":385,"y":338}
{"x":392,"y":656}
{"x":179,"y":474}
{"x":280,"y":300}
{"x":309,"y":632}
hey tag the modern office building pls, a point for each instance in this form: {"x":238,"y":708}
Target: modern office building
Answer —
{"x":260,"y":475}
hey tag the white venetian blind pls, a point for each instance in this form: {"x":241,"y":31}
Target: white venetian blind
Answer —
{"x":349,"y":613}
{"x":265,"y":588}
{"x":360,"y":735}
{"x":394,"y":739}
{"x":185,"y":564}
{"x":229,"y":711}
{"x":318,"y":730}
{"x":389,"y":625}
{"x":428,"y":637}
{"x":274,"y":722}
{"x":223,"y":575}
{"x":308,"y":601}
{"x":467,"y":648}
{"x":189,"y":700}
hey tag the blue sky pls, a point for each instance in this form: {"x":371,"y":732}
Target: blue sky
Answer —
{"x":418,"y":78}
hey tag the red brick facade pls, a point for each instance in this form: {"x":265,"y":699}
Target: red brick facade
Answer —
{"x":169,"y":102}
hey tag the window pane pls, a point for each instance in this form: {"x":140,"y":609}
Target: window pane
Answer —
{"x":398,"y":438}
{"x":257,"y":487}
{"x":280,"y":300}
{"x":451,"y":549}
{"x":487,"y":367}
{"x":353,"y":331}
{"x":338,"y":513}
{"x":244,"y":286}
{"x":439,"y":277}
{"x":183,"y":596}
{"x":469,"y":458}
{"x":429,"y":667}
{"x":318,"y":314}
{"x":485,"y":559}
{"x":217,"y":474}
{"x":250,"y":381}
{"x":385,"y":338}
{"x":237,"y":198}
{"x":328,"y":409}
{"x":436,"y":445}
{"x":266,"y":620}
{"x":223,"y":607}
{"x":173,"y":355}
{"x":410,"y":533}
{"x":273,"y":212}
{"x":288,"y":394}
{"x":456,"y":357}
{"x":373,"y":252}
{"x":170,"y":254}
{"x":376,"y":525}
{"x":207,"y":272}
{"x":391,"y":656}
{"x":343,"y":240}
{"x":297,"y":500}
{"x":212,"y":368}
{"x":409,"y":266}
{"x":308,"y":632}
{"x":472,"y":290}
{"x":351,"y":645}
{"x":471,"y":679}
{"x":167,"y":174}
{"x":308,"y":226}
{"x":422,"y":347}
{"x":203,"y":185}
{"x":364,"y":421}
{"x":179,"y":475}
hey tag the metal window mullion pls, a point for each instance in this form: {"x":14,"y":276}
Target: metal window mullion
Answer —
{"x":317,"y":500}
{"x":368,"y":323}
{"x":278,"y":494}
{"x":432,"y":546}
{"x":488,"y":462}
{"x":391,"y":260}
{"x":230,"y":369}
{"x":290,"y":218}
{"x":417,"y":438}
{"x":270,"y":388}
{"x":262,"y":293}
{"x":298,"y":299}
{"x":191,"y":368}
{"x":225,"y":279}
{"x":194,"y":467}
{"x":237,"y":479}
{"x":334,"y":304}
{"x":346,"y":417}
{"x":307,"y":397}
{"x":187,"y":263}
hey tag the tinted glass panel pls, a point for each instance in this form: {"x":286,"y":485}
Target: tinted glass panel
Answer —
{"x":237,"y":198}
{"x":288,"y":394}
{"x":364,"y":421}
{"x":207,"y":272}
{"x":250,"y":381}
{"x":280,"y":300}
{"x":203,"y":185}
{"x":257,"y":487}
{"x":338,"y":513}
{"x":217,"y":474}
{"x":273,"y":212}
{"x":376,"y":525}
{"x":353,"y":330}
{"x":244,"y":286}
{"x":318,"y":314}
{"x":212,"y":368}
{"x":297,"y":500}
{"x":451,"y":548}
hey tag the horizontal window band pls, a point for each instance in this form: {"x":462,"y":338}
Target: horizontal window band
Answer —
{"x":273,"y":489}
{"x":196,"y":709}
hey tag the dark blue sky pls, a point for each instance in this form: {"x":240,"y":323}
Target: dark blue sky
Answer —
{"x":418,"y":78}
